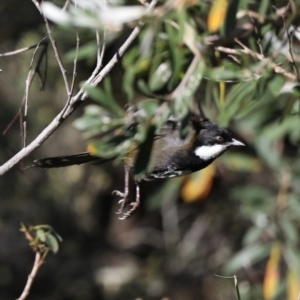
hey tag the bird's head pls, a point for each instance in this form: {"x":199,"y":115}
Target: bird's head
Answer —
{"x":213,"y":140}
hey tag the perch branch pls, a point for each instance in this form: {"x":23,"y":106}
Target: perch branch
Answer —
{"x":79,"y":97}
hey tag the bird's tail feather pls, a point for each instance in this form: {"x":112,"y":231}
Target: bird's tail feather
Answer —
{"x":68,"y":160}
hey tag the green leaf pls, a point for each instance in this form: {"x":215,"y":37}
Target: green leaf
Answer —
{"x":253,"y":235}
{"x":177,"y":55}
{"x":143,"y":87}
{"x":248,"y":255}
{"x":296,"y":90}
{"x":230,"y":20}
{"x":160,"y":77}
{"x":52,"y":242}
{"x":292,"y":255}
{"x":263,"y":8}
{"x":289,"y":229}
{"x":85,"y":51}
{"x":184,"y":97}
{"x":40,"y":233}
{"x":275,"y":85}
{"x":105,"y":97}
{"x":149,"y":107}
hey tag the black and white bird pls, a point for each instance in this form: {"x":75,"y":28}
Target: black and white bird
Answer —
{"x":171,"y":156}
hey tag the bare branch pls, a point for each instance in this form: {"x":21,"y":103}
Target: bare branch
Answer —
{"x":67,"y":3}
{"x":75,"y":101}
{"x":74,"y":75}
{"x":15,"y":52}
{"x":37,"y":264}
{"x":292,"y":59}
{"x":246,"y":50}
{"x":29,"y":80}
{"x":123,"y":48}
{"x":57,"y":56}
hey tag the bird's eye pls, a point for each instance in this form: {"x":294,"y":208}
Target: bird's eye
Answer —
{"x":219,"y":138}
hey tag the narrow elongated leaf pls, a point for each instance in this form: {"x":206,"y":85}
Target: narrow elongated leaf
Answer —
{"x":247,"y":256}
{"x":216,"y":15}
{"x":52,"y":243}
{"x":272,"y":275}
{"x":104,"y":98}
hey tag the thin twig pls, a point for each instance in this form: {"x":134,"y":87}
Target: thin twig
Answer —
{"x":100,"y":54}
{"x":44,"y":43}
{"x":73,"y":77}
{"x":246,"y":50}
{"x":144,"y":2}
{"x":37,"y":263}
{"x":292,"y":60}
{"x":67,"y":3}
{"x":15,"y":52}
{"x":55,"y":49}
{"x":29,"y":81}
{"x":123,"y":48}
{"x":79,"y":97}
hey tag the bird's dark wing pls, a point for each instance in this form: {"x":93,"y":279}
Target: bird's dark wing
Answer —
{"x":67,"y":160}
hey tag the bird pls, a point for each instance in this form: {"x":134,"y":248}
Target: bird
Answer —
{"x":171,"y":156}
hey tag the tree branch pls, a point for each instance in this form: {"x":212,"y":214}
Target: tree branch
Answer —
{"x":246,"y":50}
{"x":72,"y":105}
{"x":37,"y":263}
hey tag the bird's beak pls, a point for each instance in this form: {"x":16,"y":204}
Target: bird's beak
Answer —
{"x":235,"y":142}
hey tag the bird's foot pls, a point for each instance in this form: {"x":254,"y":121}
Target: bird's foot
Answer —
{"x":130,"y":212}
{"x":123,"y":201}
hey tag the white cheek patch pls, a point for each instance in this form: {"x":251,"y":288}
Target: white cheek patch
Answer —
{"x":209,"y":152}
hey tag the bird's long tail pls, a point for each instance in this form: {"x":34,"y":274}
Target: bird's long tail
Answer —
{"x":68,"y":160}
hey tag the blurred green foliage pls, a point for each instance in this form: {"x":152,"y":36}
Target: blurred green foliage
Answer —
{"x":244,"y":76}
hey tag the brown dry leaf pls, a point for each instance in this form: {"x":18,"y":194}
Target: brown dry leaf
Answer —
{"x":216,"y":15}
{"x":272,"y":276}
{"x":198,"y":184}
{"x":293,"y":285}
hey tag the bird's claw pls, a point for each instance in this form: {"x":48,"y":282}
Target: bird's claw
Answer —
{"x":129,"y":213}
{"x":123,"y":202}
